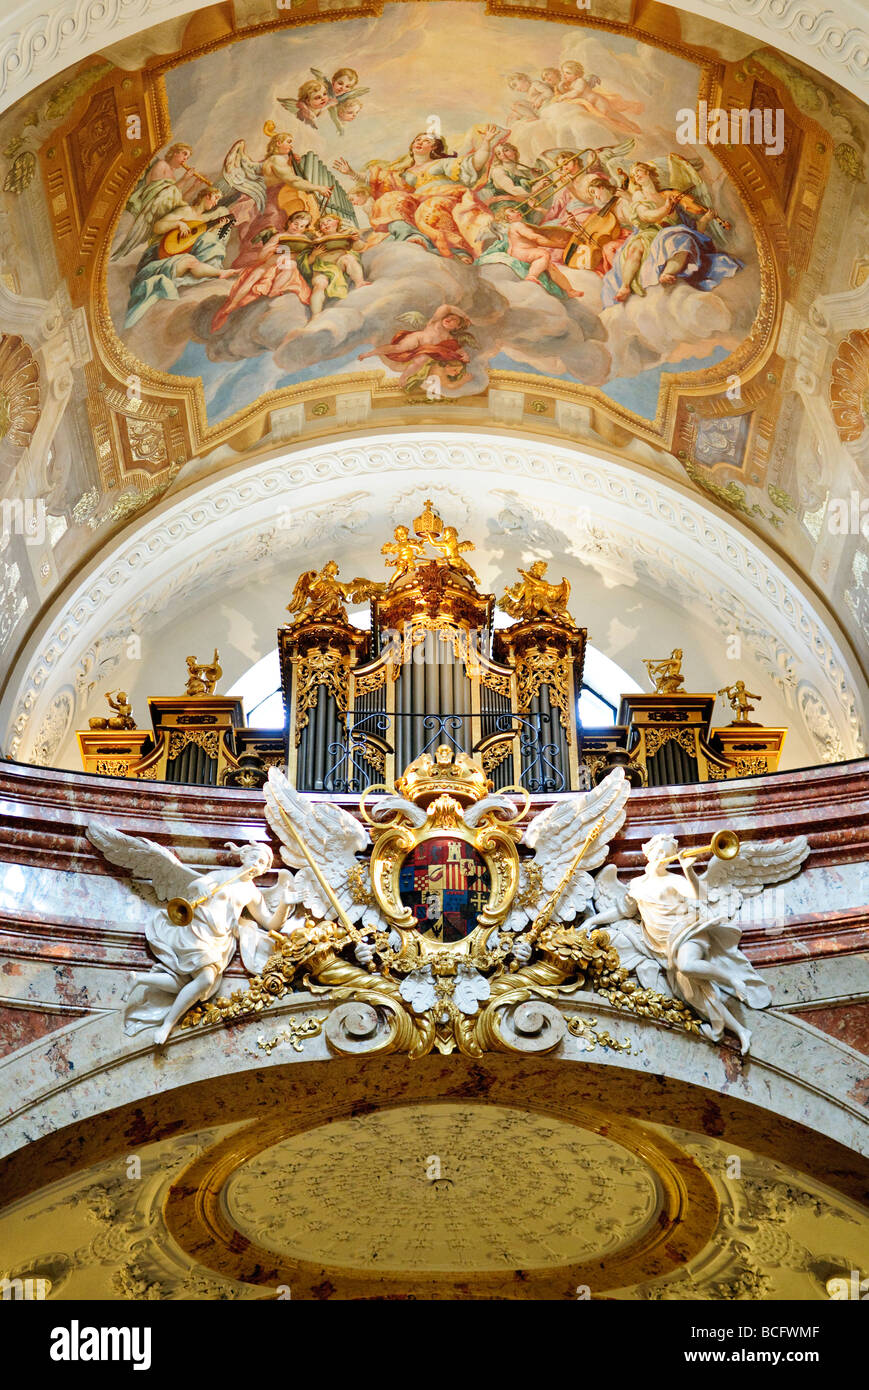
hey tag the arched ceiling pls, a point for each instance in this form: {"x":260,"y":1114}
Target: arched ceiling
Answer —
{"x":216,"y":564}
{"x":128,"y":376}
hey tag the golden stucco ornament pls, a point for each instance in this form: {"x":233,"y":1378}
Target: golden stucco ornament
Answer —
{"x":449,"y":942}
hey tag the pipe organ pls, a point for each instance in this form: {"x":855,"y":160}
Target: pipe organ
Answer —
{"x":432,"y":667}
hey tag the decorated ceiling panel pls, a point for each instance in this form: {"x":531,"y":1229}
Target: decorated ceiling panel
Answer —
{"x":255,"y":226}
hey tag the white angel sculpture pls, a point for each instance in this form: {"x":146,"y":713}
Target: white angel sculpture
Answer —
{"x":228,"y":909}
{"x":676,"y":931}
{"x":556,"y":835}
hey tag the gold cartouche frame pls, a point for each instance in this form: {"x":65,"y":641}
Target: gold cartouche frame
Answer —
{"x":494,"y":840}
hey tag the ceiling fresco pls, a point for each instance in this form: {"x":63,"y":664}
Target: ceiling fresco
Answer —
{"x":421,"y":231}
{"x":256,"y":227}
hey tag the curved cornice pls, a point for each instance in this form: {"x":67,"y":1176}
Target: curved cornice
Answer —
{"x":618,"y":518}
{"x":38,"y":42}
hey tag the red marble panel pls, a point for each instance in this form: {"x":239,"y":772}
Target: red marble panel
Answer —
{"x":20,"y":1026}
{"x":847,"y":1022}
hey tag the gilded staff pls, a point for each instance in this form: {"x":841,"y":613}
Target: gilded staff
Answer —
{"x":542,"y":920}
{"x":353,"y":932}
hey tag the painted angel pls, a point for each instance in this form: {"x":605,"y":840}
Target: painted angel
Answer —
{"x":676,"y":930}
{"x":339,"y":95}
{"x":323,"y":594}
{"x":588,"y":819}
{"x":677,"y":233}
{"x":319,"y":842}
{"x":271,"y":190}
{"x":429,"y":347}
{"x":157,"y":194}
{"x":228,"y":910}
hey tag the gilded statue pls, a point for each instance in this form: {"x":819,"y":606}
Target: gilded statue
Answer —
{"x":534,"y":597}
{"x":451,"y":549}
{"x":666,"y":673}
{"x":202,"y":678}
{"x":323,"y":595}
{"x":405,"y":552}
{"x":123,"y":713}
{"x":739,"y":699}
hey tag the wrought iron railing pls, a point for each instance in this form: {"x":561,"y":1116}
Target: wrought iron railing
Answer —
{"x":369,"y":738}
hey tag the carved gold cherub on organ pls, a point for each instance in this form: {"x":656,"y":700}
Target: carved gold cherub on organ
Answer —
{"x":405,"y":550}
{"x":739,"y":699}
{"x":122,"y":717}
{"x":534,"y":597}
{"x":451,"y":549}
{"x":202,"y":678}
{"x":666,"y":673}
{"x":323,"y":594}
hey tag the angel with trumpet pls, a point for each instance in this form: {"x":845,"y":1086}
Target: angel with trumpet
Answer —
{"x":677,"y":931}
{"x":195,"y":937}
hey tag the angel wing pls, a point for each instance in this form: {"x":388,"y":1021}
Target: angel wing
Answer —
{"x":294,"y":105}
{"x":727,"y":882}
{"x":684,"y":174}
{"x":611,"y":157}
{"x":332,"y":836}
{"x":146,"y":205}
{"x":301,"y":591}
{"x":326,"y":81}
{"x":169,"y":877}
{"x":243,"y":174}
{"x":556,"y":835}
{"x":412,"y":319}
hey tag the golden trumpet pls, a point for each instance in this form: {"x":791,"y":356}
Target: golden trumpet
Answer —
{"x":180,"y":910}
{"x":724,"y":845}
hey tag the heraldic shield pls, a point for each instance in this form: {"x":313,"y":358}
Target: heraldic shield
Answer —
{"x":446,"y":884}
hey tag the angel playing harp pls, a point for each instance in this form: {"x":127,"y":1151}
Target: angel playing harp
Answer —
{"x":323,"y":594}
{"x":195,"y":939}
{"x":676,"y":930}
{"x":534,"y":597}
